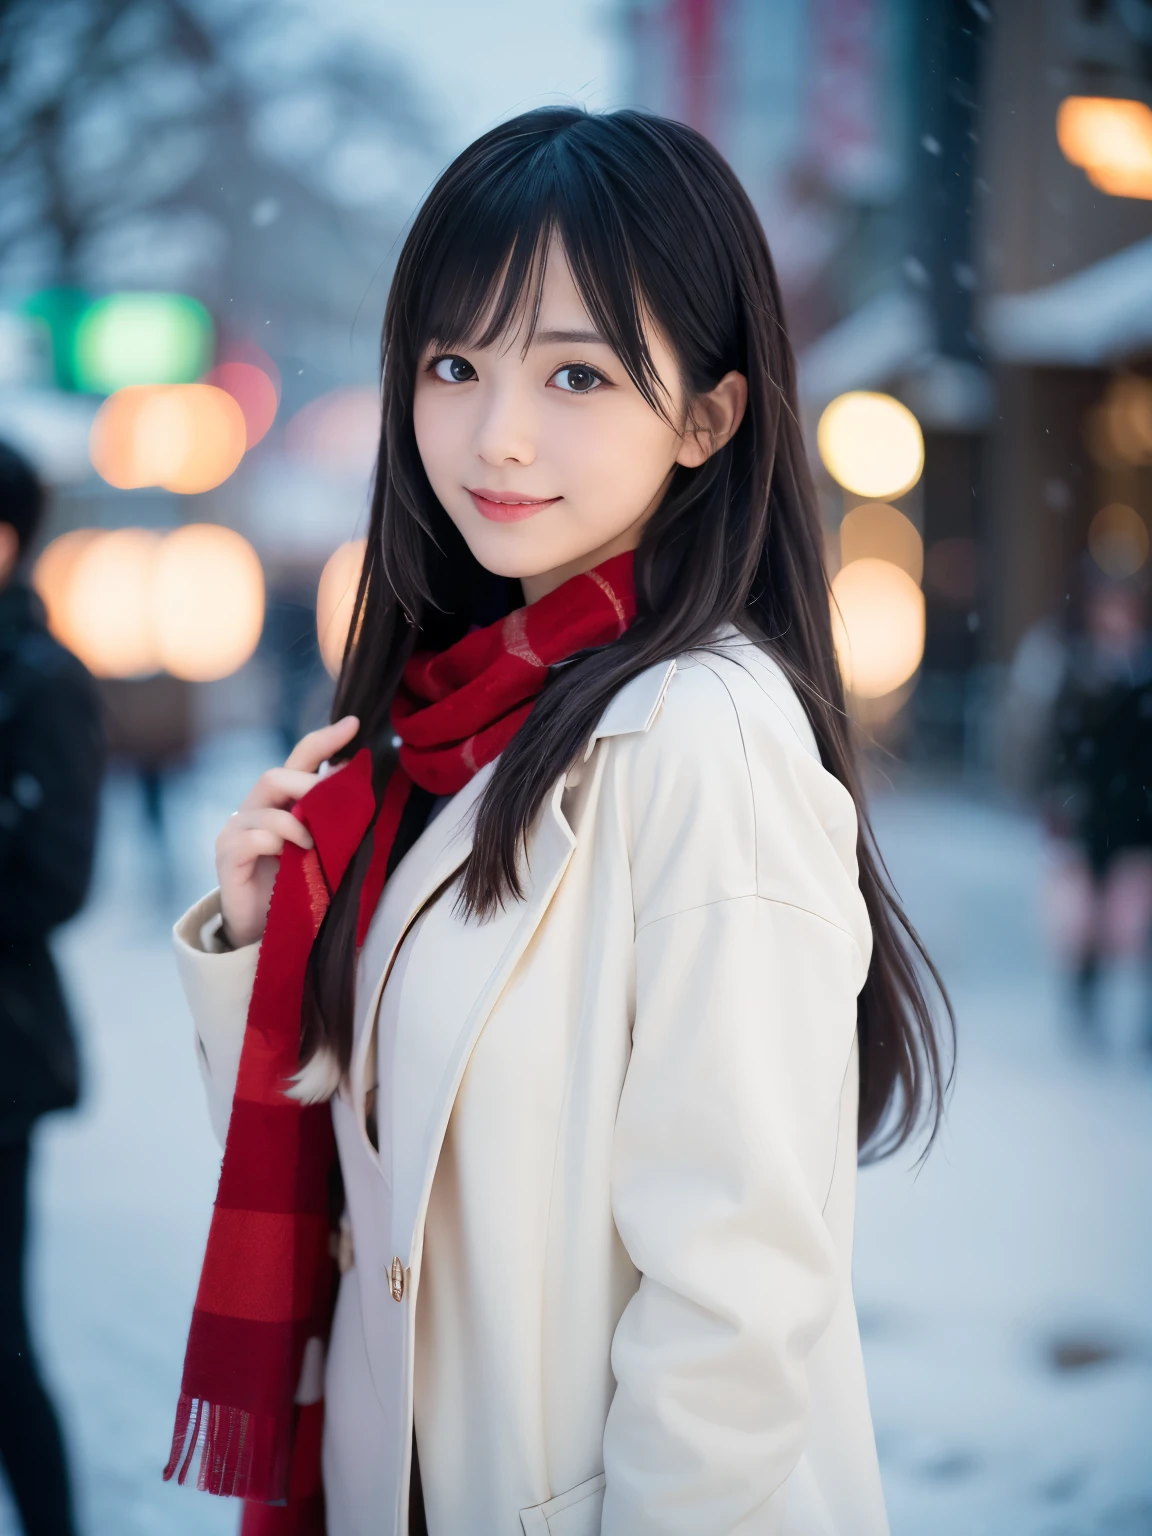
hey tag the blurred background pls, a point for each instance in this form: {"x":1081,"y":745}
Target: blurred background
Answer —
{"x":200,"y":206}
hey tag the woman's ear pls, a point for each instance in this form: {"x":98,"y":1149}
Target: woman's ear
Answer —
{"x":713,"y":420}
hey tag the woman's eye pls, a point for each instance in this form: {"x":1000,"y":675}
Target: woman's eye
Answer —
{"x":576,"y":379}
{"x":453,"y":370}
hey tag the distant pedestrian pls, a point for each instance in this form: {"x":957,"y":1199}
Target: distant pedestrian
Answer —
{"x":1100,"y":806}
{"x":51,"y":762}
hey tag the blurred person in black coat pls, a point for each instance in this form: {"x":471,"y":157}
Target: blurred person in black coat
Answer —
{"x":51,"y":762}
{"x":1100,"y":791}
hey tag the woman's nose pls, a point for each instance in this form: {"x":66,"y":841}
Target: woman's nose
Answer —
{"x":507,"y":430}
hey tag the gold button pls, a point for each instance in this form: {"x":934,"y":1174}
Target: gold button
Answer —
{"x":396,"y":1280}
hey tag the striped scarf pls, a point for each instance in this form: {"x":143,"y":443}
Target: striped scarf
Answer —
{"x":267,"y":1284}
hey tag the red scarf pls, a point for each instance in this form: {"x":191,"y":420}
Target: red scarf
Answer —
{"x":266,"y":1287}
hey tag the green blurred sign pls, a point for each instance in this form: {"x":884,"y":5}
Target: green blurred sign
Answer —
{"x":141,"y":338}
{"x":59,"y":311}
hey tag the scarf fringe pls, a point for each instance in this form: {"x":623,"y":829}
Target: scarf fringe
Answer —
{"x":242,"y":1455}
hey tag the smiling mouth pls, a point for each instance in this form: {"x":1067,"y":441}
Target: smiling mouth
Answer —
{"x":498,"y":507}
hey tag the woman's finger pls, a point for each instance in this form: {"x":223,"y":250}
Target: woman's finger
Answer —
{"x":249,"y":845}
{"x":279,"y":786}
{"x":283,"y":823}
{"x":318,"y":746}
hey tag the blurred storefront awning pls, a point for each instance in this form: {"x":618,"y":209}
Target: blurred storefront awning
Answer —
{"x":1100,"y":315}
{"x":889,"y":344}
{"x":883,"y":339}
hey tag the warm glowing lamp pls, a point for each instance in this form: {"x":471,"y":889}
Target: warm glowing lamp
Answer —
{"x":336,"y":599}
{"x":880,"y":532}
{"x":253,"y":391}
{"x":201,"y":437}
{"x":878,"y":626}
{"x":207,"y":602}
{"x":871,"y":444}
{"x":1111,"y":139}
{"x":185,"y":437}
{"x":1118,"y":540}
{"x":112,"y":440}
{"x":52,"y":578}
{"x":141,"y":338}
{"x":1119,"y":429}
{"x":109,"y":611}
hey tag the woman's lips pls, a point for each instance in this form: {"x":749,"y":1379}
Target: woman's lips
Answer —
{"x":499,"y":507}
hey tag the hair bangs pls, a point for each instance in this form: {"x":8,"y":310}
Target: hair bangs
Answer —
{"x":486,"y":258}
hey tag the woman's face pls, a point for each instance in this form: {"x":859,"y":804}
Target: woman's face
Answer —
{"x":550,"y":460}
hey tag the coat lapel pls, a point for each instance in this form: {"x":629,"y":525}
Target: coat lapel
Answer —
{"x":465,"y":964}
{"x":435,"y":858}
{"x":444,"y":1009}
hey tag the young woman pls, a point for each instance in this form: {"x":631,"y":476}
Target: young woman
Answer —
{"x":580,"y":954}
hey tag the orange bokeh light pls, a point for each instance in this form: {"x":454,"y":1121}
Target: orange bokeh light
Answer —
{"x":187,"y":438}
{"x":253,"y":391}
{"x":52,"y":577}
{"x":1111,"y":140}
{"x":876,"y":530}
{"x":109,"y":617}
{"x":877,"y":626}
{"x":207,"y":602}
{"x":135,"y":602}
{"x":335,"y":600}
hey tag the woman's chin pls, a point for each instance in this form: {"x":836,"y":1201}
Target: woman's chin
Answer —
{"x":515,"y":550}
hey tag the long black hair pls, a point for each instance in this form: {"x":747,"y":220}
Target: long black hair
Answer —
{"x":655,"y":227}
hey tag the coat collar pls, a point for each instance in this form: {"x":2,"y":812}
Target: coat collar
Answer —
{"x":448,"y":841}
{"x":636,"y":706}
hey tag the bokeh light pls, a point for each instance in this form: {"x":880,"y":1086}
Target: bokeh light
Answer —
{"x":877,"y":625}
{"x":1111,"y":140}
{"x":141,"y":338}
{"x":1118,"y":540}
{"x":134,"y":602}
{"x":253,"y":391}
{"x":338,"y":433}
{"x":878,"y":531}
{"x":207,"y":602}
{"x":108,"y":604}
{"x":871,"y":444}
{"x":335,"y":600}
{"x":187,"y":438}
{"x":52,"y":579}
{"x":1119,"y":430}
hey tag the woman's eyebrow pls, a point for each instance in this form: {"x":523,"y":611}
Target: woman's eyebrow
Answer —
{"x":569,"y":338}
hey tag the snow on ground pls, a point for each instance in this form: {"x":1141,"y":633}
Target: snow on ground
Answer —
{"x":1005,"y":1290}
{"x":1024,"y":1242}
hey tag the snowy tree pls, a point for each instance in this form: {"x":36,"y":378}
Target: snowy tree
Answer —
{"x":229,"y":148}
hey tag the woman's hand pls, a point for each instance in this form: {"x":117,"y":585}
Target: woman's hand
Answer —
{"x":248,"y":849}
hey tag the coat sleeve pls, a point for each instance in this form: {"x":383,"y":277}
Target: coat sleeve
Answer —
{"x":218,"y":985}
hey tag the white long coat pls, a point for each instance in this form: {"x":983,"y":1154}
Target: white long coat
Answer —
{"x":617,"y":1173}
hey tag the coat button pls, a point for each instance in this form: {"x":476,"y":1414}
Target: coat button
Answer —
{"x":396,"y":1280}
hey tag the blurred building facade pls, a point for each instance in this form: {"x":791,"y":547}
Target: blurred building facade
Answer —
{"x":934,"y":241}
{"x":1067,"y":304}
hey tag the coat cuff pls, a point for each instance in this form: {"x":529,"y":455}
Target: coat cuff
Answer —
{"x":218,"y":984}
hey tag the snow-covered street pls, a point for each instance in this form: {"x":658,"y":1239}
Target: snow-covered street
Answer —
{"x":1005,"y":1290}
